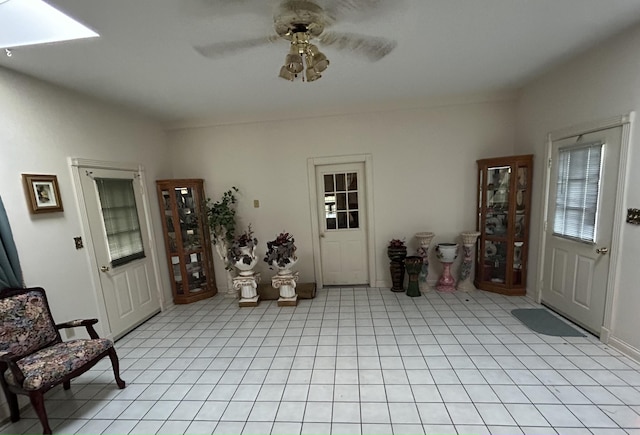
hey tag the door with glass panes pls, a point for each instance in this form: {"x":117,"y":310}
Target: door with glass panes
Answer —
{"x":579,"y":225}
{"x":343,"y":240}
{"x":118,"y":225}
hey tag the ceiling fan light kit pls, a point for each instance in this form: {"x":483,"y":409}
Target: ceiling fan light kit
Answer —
{"x":303,"y":56}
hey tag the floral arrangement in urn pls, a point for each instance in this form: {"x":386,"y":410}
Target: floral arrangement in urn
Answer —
{"x":397,"y":250}
{"x":281,"y":252}
{"x":396,"y":243}
{"x":243,"y":247}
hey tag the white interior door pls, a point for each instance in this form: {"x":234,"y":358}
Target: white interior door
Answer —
{"x":579,"y":225}
{"x":118,"y":225}
{"x":342,"y":224}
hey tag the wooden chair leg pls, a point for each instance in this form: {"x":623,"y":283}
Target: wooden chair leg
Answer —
{"x":37,"y":401}
{"x":66,"y":385}
{"x":14,"y":409}
{"x":116,"y":367}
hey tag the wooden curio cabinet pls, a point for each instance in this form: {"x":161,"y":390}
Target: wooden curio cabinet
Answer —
{"x":504,"y":206}
{"x":187,"y":239}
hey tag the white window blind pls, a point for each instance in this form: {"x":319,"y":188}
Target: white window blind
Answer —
{"x":578,"y":191}
{"x":120,"y":215}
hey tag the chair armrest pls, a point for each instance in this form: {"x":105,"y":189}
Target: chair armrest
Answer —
{"x":8,"y":359}
{"x":87,"y":323}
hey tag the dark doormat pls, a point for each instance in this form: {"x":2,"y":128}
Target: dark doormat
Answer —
{"x":542,"y":321}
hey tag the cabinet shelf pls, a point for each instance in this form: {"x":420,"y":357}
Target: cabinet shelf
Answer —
{"x":504,"y":201}
{"x":187,"y":239}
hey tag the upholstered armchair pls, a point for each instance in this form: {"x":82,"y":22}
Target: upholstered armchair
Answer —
{"x":33,"y":357}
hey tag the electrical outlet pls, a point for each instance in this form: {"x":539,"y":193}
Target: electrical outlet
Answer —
{"x":78,"y":242}
{"x":256,"y":203}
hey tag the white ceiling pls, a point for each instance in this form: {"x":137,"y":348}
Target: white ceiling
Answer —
{"x":144,"y":58}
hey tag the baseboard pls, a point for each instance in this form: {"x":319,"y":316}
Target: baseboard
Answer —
{"x":383,"y":284}
{"x":624,"y":347}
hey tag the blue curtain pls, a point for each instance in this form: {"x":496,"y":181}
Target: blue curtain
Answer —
{"x":10,"y":273}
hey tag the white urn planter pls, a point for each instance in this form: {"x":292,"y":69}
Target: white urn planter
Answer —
{"x":247,"y":261}
{"x":243,"y":257}
{"x":281,"y":256}
{"x":447,"y":254}
{"x":468,"y":246}
{"x":424,"y":240}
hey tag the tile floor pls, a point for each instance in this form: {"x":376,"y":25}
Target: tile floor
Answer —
{"x":351,"y":361}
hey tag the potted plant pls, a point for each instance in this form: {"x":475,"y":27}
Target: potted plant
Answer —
{"x":281,"y":252}
{"x":221,"y":216}
{"x":242,"y":252}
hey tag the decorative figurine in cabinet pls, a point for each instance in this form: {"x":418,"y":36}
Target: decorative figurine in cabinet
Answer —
{"x":504,"y":202}
{"x":187,"y":239}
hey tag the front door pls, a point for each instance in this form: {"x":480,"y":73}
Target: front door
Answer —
{"x":579,"y":225}
{"x":118,"y":225}
{"x":343,"y":233}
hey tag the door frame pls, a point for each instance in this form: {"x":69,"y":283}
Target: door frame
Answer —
{"x":626,"y":122}
{"x":312,"y":163}
{"x":77,"y":165}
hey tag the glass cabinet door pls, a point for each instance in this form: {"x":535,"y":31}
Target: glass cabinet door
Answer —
{"x":496,"y":221}
{"x":504,"y":197}
{"x":187,"y":239}
{"x":186,"y":200}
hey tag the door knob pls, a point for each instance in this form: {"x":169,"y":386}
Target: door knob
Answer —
{"x":104,"y":268}
{"x":602,"y":251}
{"x":322,"y":235}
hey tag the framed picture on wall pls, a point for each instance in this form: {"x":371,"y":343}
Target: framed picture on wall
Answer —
{"x":43,"y":194}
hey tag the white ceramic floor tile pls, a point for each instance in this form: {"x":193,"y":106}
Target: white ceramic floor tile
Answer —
{"x":174,"y":427}
{"x":372,"y":412}
{"x":463,"y":413}
{"x":624,"y":416}
{"x":310,"y":428}
{"x":146,"y":427}
{"x":345,"y":429}
{"x":291,"y":411}
{"x":263,"y":411}
{"x":228,"y":427}
{"x":558,"y":415}
{"x":398,"y":393}
{"x":346,"y":412}
{"x":526,"y":415}
{"x":434,"y":414}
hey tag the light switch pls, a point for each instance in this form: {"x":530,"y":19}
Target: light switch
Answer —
{"x":256,"y":203}
{"x":78,"y":242}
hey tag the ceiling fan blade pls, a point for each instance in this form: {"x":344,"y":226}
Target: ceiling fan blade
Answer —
{"x":372,"y":47}
{"x":357,"y":10}
{"x":219,"y":49}
{"x":229,"y":7}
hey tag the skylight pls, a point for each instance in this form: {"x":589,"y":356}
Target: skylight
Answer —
{"x":29,"y":22}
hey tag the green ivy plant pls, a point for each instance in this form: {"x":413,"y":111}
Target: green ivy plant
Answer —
{"x":221,"y":216}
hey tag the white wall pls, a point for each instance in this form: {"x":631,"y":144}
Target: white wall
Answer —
{"x":424,"y":170}
{"x":41,"y":127}
{"x":599,"y":84}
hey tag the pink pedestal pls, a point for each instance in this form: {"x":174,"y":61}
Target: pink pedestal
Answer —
{"x":446,"y":283}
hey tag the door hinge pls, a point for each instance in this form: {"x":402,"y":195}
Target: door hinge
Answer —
{"x":545,"y":226}
{"x":549,"y":163}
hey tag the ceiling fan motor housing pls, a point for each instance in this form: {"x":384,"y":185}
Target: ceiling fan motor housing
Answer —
{"x":297,"y":16}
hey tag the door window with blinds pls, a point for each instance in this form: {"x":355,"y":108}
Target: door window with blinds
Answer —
{"x":341,"y":201}
{"x":121,"y":223}
{"x":578,"y":191}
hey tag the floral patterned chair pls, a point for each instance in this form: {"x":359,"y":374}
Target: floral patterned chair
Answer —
{"x":33,"y":357}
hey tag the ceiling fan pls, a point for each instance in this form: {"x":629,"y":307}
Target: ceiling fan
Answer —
{"x":302,"y":22}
